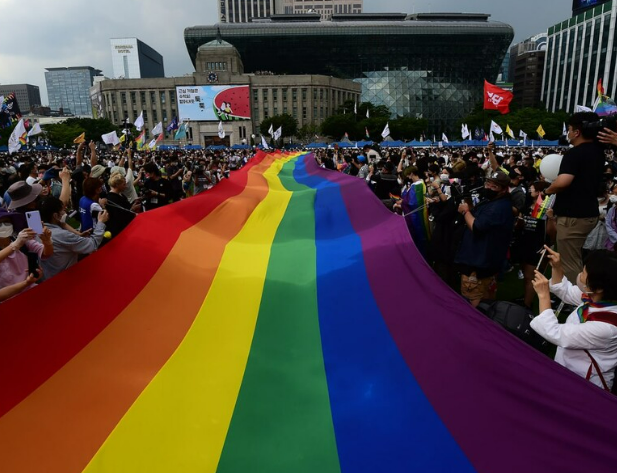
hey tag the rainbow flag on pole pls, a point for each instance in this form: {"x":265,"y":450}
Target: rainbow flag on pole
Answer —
{"x":140,"y":141}
{"x":283,"y":321}
{"x":415,"y":210}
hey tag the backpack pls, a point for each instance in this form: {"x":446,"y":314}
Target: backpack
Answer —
{"x":515,"y":319}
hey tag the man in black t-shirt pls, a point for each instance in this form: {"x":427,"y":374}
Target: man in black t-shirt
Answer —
{"x":576,"y":206}
{"x":158,"y":191}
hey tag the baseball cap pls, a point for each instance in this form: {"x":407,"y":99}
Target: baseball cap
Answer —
{"x":500,"y":178}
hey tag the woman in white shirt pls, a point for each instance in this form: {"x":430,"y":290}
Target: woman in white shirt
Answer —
{"x":587,"y":342}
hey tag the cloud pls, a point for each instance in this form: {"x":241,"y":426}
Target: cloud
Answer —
{"x":62,"y":33}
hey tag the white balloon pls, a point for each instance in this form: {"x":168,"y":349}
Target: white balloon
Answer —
{"x":549,"y":166}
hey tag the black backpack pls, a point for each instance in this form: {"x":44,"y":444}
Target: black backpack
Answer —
{"x":515,"y":319}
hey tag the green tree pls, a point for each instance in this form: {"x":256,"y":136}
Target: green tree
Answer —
{"x":527,"y":119}
{"x":307,"y":132}
{"x":289,"y":124}
{"x":63,"y":134}
{"x":407,"y":128}
{"x":335,"y":126}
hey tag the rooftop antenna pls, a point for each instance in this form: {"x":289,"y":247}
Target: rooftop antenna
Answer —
{"x":219,"y":38}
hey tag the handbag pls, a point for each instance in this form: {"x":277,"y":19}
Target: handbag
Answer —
{"x":597,"y":237}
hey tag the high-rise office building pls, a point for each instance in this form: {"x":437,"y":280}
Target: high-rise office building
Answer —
{"x":243,"y":11}
{"x":325,"y":8}
{"x":580,"y":51}
{"x":425,"y":65}
{"x":134,"y":59}
{"x":27,"y":95}
{"x":527,"y":70}
{"x":68,"y":89}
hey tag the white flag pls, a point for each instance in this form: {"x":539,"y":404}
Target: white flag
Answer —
{"x":444,"y":138}
{"x":496,"y":128}
{"x":491,"y":137}
{"x":565,"y":129}
{"x":264,"y":143}
{"x":158,"y":129}
{"x":14,"y":143}
{"x":111,"y":138}
{"x":271,"y":130}
{"x":367,"y":114}
{"x":152,"y":144}
{"x":139,"y":123}
{"x":35,"y":130}
{"x":581,"y":108}
{"x":278,"y":133}
{"x":464,"y":131}
{"x":386,"y":131}
{"x":221,"y":130}
{"x":522,"y":134}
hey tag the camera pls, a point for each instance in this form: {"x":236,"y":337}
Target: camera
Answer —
{"x":592,"y":128}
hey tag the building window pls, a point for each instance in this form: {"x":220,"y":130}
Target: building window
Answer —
{"x":163,"y":100}
{"x":295,"y":112}
{"x":275,"y":110}
{"x":152,"y":98}
{"x":314,"y":94}
{"x":145,"y":115}
{"x":294,"y":94}
{"x":304,"y":95}
{"x":113,"y":99}
{"x":142,"y":97}
{"x":284,"y":95}
{"x":255,"y":96}
{"x":164,"y":115}
{"x":275,"y":95}
{"x":304,"y":113}
{"x":123,"y":98}
{"x":133,"y":98}
{"x":155,"y":115}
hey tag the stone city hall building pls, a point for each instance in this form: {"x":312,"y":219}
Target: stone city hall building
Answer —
{"x":219,"y":68}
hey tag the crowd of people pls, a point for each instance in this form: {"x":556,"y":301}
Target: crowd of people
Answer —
{"x":474,"y":214}
{"x":85,"y":198}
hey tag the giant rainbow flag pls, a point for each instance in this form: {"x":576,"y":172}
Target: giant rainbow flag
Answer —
{"x":280,"y":322}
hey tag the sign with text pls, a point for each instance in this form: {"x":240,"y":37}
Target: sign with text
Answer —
{"x":579,"y":6}
{"x":213,"y":103}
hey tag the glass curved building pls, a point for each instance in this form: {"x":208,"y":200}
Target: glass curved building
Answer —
{"x":431,"y":66}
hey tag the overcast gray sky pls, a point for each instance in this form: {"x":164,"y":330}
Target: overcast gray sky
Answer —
{"x":61,"y":33}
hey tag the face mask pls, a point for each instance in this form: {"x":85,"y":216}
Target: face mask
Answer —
{"x":444,"y":177}
{"x":613,"y":199}
{"x":489,"y":194}
{"x":6,"y":230}
{"x":581,"y":286}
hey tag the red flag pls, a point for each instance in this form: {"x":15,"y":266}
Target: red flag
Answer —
{"x":600,"y":87}
{"x":496,"y":98}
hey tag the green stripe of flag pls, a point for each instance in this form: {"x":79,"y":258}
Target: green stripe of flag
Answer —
{"x":282,"y":421}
